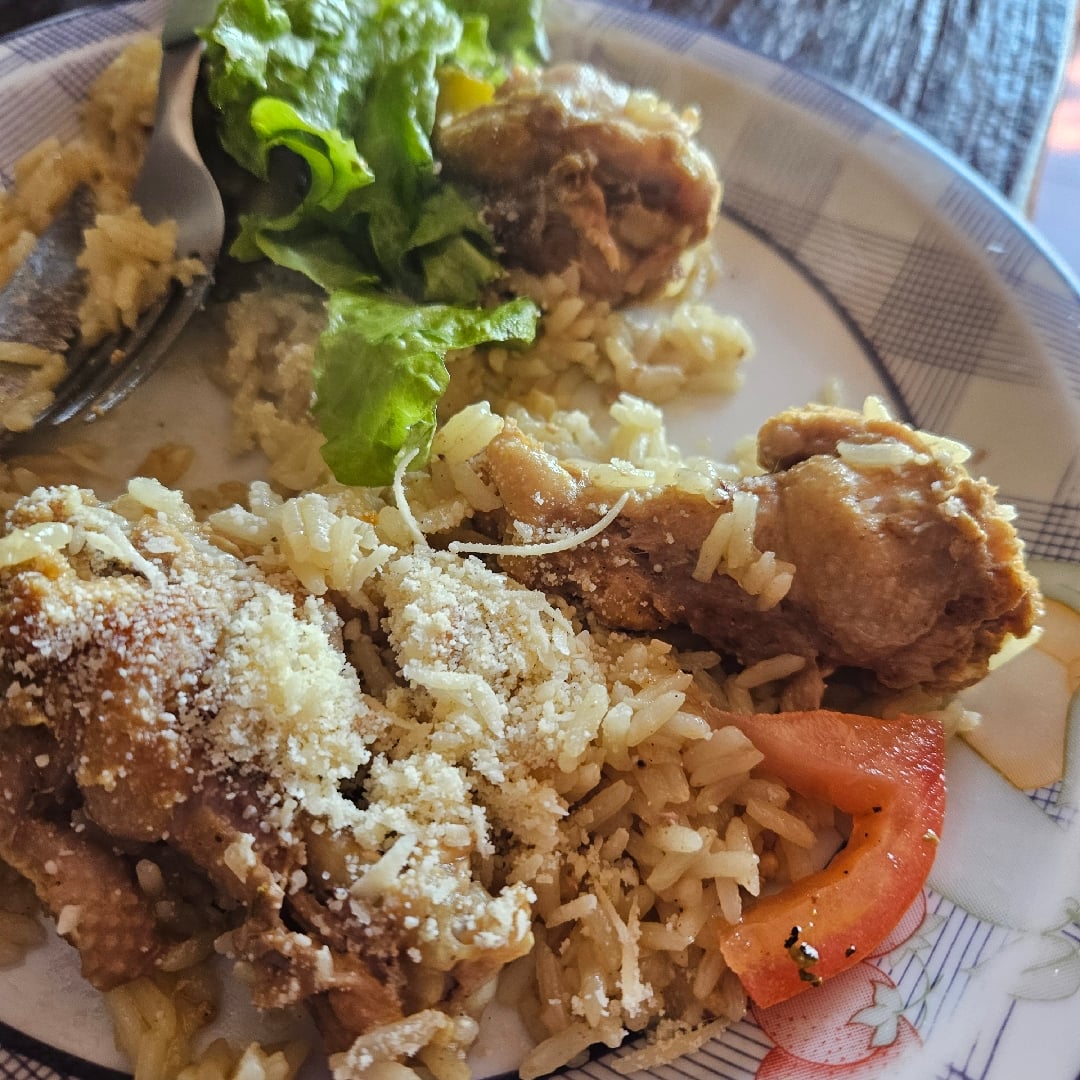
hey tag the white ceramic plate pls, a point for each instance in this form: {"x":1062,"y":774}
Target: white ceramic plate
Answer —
{"x":854,"y":250}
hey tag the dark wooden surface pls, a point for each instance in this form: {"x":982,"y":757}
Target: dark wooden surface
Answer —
{"x":981,"y":76}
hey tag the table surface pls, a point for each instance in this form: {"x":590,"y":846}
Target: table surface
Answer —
{"x":981,"y":76}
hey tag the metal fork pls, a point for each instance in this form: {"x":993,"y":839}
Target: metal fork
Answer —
{"x":39,"y":303}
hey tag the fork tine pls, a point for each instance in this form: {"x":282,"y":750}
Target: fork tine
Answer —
{"x":105,"y":373}
{"x":91,"y":367}
{"x":180,"y":306}
{"x":83,"y":363}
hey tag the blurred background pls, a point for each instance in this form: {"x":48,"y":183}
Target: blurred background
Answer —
{"x":1057,"y":189}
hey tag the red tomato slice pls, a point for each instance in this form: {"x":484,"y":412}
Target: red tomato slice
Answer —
{"x":889,"y":775}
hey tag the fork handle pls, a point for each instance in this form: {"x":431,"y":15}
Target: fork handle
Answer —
{"x":184,"y":18}
{"x":169,"y":158}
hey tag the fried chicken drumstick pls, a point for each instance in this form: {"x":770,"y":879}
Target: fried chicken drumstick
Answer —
{"x":904,"y":566}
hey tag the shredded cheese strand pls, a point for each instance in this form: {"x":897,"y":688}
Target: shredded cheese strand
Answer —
{"x":403,"y":503}
{"x":458,"y":547}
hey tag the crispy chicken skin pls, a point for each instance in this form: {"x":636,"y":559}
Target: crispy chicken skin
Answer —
{"x":116,"y":935}
{"x":103,"y":659}
{"x":909,"y":572}
{"x":577,"y":170}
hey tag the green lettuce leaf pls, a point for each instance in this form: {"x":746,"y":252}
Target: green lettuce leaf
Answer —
{"x":331,"y":103}
{"x":313,"y":56}
{"x":515,"y":27}
{"x":323,"y":257}
{"x":454,"y":266}
{"x":380,"y":371}
{"x":350,"y":89}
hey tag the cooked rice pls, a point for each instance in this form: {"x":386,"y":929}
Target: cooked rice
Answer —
{"x":729,"y":548}
{"x":622,"y":830}
{"x":105,"y":155}
{"x":771,"y":670}
{"x":679,"y":344}
{"x":582,"y":343}
{"x":129,"y":266}
{"x":128,"y":263}
{"x":21,"y":403}
{"x":154,"y":1020}
{"x":158,"y":1023}
{"x":630,"y":829}
{"x":220,"y":1062}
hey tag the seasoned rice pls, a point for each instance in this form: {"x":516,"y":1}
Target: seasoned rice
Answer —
{"x":582,"y":344}
{"x":632,"y":830}
{"x":105,"y":155}
{"x":677,"y":345}
{"x":128,"y":263}
{"x":159,"y":1023}
{"x":615,"y":829}
{"x":21,"y":404}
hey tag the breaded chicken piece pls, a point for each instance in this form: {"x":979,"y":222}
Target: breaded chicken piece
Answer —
{"x":904,"y":566}
{"x":577,"y":170}
{"x":130,"y":654}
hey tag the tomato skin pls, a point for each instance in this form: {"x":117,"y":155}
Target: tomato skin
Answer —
{"x":889,"y":775}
